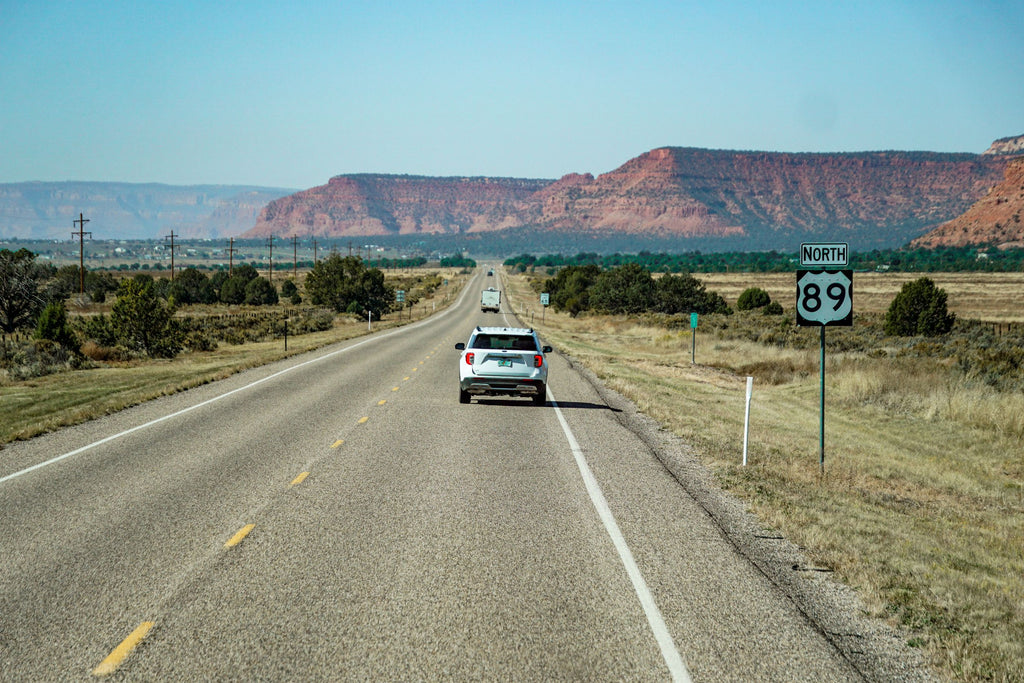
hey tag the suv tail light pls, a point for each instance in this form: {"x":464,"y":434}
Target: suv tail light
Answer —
{"x":469,"y":358}
{"x":538,"y":361}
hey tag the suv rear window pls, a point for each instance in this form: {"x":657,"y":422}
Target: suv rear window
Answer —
{"x":514,"y":342}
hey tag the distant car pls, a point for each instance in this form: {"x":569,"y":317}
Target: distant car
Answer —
{"x":490,"y":300}
{"x":503,"y":361}
{"x":490,"y":273}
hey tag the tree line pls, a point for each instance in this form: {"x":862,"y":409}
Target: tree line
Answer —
{"x":142,"y":321}
{"x":918,"y":309}
{"x":629,"y":289}
{"x":942,"y":259}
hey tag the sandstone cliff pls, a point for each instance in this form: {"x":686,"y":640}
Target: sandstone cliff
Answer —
{"x":397,"y":205}
{"x":1011,"y":145}
{"x":758,"y":199}
{"x":994,"y":219}
{"x":687,"y":192}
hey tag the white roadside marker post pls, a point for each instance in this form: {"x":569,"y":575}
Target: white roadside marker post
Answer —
{"x":746,"y":419}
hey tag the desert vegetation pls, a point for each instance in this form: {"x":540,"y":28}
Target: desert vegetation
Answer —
{"x":68,"y":357}
{"x":920,"y":504}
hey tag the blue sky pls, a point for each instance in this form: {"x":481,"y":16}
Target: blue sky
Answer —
{"x":288,"y":95}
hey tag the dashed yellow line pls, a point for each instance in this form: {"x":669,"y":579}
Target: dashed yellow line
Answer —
{"x":237,"y":538}
{"x":299,"y":479}
{"x":364,"y":419}
{"x":382,"y":401}
{"x":337,"y":443}
{"x":394,"y":388}
{"x":405,"y":379}
{"x":121,"y":652}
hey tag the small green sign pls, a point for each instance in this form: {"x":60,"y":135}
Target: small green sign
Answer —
{"x":693,"y":321}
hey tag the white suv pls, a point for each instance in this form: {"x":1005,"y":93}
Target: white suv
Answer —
{"x":503,"y":361}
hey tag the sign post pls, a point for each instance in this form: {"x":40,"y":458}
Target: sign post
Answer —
{"x":824,"y":297}
{"x":400,"y":298}
{"x":693,"y":340}
{"x":545,"y":300}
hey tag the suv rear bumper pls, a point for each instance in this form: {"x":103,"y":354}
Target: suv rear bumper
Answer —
{"x":479,"y":386}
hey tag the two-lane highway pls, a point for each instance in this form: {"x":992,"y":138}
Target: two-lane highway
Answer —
{"x":341,"y":516}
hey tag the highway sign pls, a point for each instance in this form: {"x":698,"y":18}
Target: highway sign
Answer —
{"x":824,"y":254}
{"x":400,"y":295}
{"x":545,"y":299}
{"x":824,"y":297}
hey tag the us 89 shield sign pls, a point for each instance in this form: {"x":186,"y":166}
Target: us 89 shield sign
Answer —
{"x":824,"y":297}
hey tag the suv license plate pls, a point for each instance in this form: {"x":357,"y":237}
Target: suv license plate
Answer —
{"x":505,"y":363}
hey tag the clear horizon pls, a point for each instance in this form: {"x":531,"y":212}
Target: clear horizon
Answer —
{"x":189,"y":93}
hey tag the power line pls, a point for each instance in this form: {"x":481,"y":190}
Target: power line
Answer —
{"x":81,"y":250}
{"x":171,"y":237}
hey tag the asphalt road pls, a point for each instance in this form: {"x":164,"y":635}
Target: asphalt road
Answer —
{"x":340,"y":516}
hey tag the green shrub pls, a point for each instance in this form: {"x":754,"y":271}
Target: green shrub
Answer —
{"x":142,"y":322}
{"x":53,"y":325}
{"x":624,"y":289}
{"x":97,"y":329}
{"x":751,"y":298}
{"x":919,"y":309}
{"x":260,"y":291}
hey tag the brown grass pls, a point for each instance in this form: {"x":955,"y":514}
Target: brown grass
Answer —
{"x":995,"y":297}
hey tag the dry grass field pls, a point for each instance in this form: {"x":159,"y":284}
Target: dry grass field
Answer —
{"x":921,"y":507}
{"x":993,"y":297}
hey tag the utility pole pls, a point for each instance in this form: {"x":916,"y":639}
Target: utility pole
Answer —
{"x":270,"y":273}
{"x":314,"y":252}
{"x":171,"y":238}
{"x":81,"y":250}
{"x":231,"y":255}
{"x":295,"y":257}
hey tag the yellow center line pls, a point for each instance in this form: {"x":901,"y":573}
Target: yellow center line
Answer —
{"x":415,"y":369}
{"x":299,"y":479}
{"x":382,"y":401}
{"x":121,"y":652}
{"x":242,"y":533}
{"x":405,"y":379}
{"x":394,"y":388}
{"x":337,"y":443}
{"x":363,"y":419}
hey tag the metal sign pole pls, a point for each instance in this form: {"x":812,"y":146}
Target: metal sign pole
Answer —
{"x":821,"y":425}
{"x":824,"y":297}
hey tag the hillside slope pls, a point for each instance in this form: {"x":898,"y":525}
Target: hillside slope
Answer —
{"x":994,"y":219}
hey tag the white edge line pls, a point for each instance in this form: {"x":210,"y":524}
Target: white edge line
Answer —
{"x":668,"y":648}
{"x":158,"y":420}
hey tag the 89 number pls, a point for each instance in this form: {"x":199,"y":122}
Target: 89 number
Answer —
{"x":812,"y":296}
{"x":824,"y":297}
